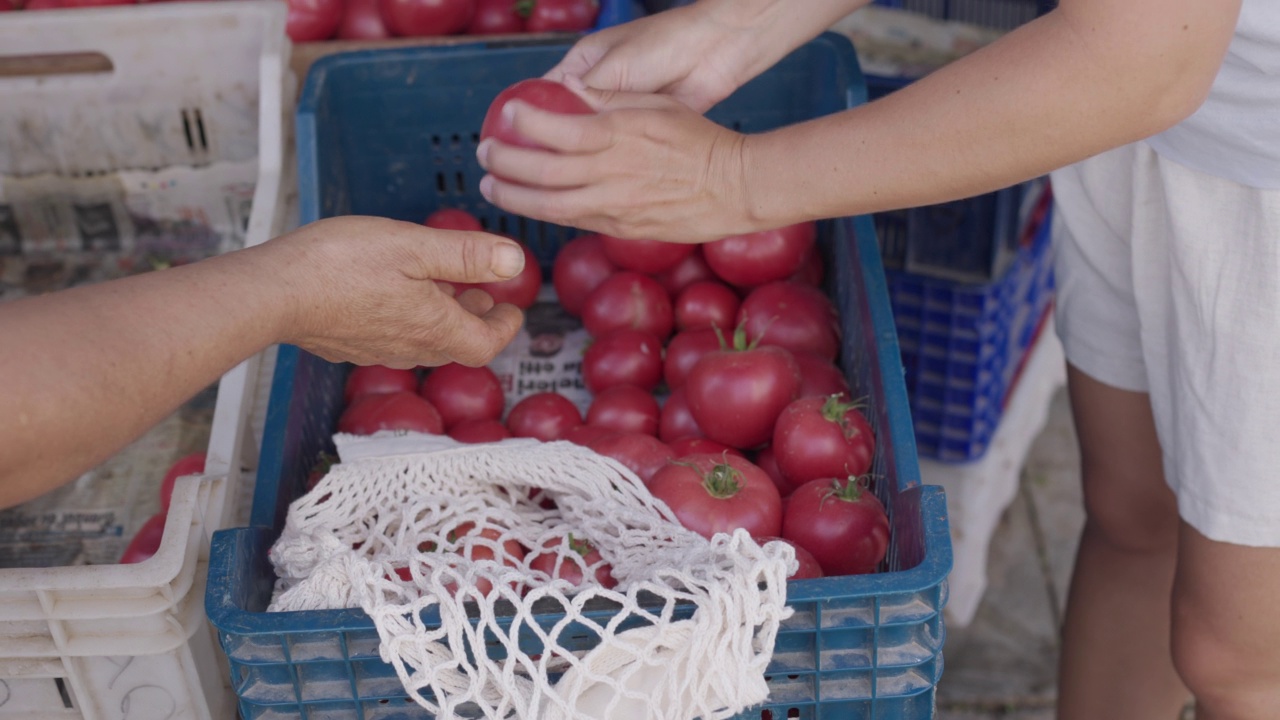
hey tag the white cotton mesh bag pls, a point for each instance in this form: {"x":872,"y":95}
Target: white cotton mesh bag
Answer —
{"x":440,"y":542}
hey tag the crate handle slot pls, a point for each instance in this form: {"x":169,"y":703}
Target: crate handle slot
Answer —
{"x":75,"y":63}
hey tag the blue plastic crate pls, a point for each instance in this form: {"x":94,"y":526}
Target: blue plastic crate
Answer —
{"x":963,"y":346}
{"x":393,"y":133}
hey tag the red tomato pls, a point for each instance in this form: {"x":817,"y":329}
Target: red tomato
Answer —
{"x":451,"y":218}
{"x":706,"y":303}
{"x":675,"y":421}
{"x":579,"y":268}
{"x":6,"y":6}
{"x":625,"y":408}
{"x":623,"y":357}
{"x":629,"y":300}
{"x":814,"y":269}
{"x":758,"y":258}
{"x":584,"y":435}
{"x":768,"y":462}
{"x":644,"y":455}
{"x":819,"y":377}
{"x":496,"y":17}
{"x":546,"y":416}
{"x":684,"y":351}
{"x":574,"y":557}
{"x":308,"y":20}
{"x":841,"y":523}
{"x":484,"y":545}
{"x":418,"y":18}
{"x":402,"y":410}
{"x":147,"y":542}
{"x":464,"y":393}
{"x":716,"y":493}
{"x":480,"y":430}
{"x":521,"y":290}
{"x":645,"y":256}
{"x":192,"y":464}
{"x":808,"y":566}
{"x":361,"y":20}
{"x":822,"y":438}
{"x":94,"y":3}
{"x":375,"y":380}
{"x":737,"y":394}
{"x":43,"y":5}
{"x":797,"y":317}
{"x":545,"y":94}
{"x":687,"y":446}
{"x":563,"y":15}
{"x":690,"y":270}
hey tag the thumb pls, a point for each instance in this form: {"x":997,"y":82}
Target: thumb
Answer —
{"x":464,"y":256}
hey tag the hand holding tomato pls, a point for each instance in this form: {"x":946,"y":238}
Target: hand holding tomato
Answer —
{"x":362,"y":289}
{"x":644,"y":166}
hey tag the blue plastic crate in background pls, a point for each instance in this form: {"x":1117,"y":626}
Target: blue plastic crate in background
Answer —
{"x":393,"y":133}
{"x":963,"y":345}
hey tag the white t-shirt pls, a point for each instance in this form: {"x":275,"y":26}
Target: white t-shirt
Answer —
{"x":1236,"y":133}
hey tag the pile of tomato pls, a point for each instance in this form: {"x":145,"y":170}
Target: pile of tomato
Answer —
{"x":315,"y":20}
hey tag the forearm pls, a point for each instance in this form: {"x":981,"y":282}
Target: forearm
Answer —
{"x":1057,"y":90}
{"x":89,"y":370}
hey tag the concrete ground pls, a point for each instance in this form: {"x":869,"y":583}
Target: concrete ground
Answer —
{"x":1003,"y":665}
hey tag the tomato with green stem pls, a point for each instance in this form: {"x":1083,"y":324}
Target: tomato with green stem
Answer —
{"x":822,"y":438}
{"x":840,"y":522}
{"x":712,"y":494}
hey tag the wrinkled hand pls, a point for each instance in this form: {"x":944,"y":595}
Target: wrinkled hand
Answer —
{"x":645,"y":166}
{"x":689,"y":53}
{"x":364,"y":290}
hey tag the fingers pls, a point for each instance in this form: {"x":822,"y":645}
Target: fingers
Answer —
{"x":460,"y":256}
{"x":552,"y":205}
{"x":473,"y":339}
{"x":536,"y":167}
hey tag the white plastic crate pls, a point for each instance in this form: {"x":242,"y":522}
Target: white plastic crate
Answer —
{"x":115,"y":122}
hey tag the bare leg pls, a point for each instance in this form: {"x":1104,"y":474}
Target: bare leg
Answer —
{"x":1226,"y":639}
{"x":1116,"y":661}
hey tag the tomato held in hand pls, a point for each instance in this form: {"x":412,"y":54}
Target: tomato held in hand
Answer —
{"x":822,"y":438}
{"x":496,"y":17}
{"x":736,"y":394}
{"x":546,"y":416}
{"x":479,"y":431}
{"x":311,"y":20}
{"x":797,"y":317}
{"x":645,"y":256}
{"x":521,"y":290}
{"x":841,"y":523}
{"x":362,"y":20}
{"x":545,"y":94}
{"x":623,"y":357}
{"x":464,"y":393}
{"x":579,"y":268}
{"x":146,"y":542}
{"x":625,"y":408}
{"x":807,"y":565}
{"x":759,"y":258}
{"x":712,"y":494}
{"x":706,"y":303}
{"x":563,"y":15}
{"x":375,"y":380}
{"x":570,"y":559}
{"x":192,"y":464}
{"x":453,"y":219}
{"x":629,"y":300}
{"x":422,"y":18}
{"x":402,"y":410}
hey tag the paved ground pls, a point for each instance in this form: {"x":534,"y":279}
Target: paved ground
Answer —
{"x":1002,"y":666}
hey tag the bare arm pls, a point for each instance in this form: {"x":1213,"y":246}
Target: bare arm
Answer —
{"x":88,"y":370}
{"x":1093,"y":74}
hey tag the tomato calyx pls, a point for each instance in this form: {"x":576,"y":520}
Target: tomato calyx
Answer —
{"x":834,"y":410}
{"x":580,"y":545}
{"x":738,"y":341}
{"x":722,"y":481}
{"x":848,"y":490}
{"x":523,"y":8}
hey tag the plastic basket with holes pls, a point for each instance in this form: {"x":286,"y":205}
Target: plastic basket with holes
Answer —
{"x":134,"y":134}
{"x":372,"y":141}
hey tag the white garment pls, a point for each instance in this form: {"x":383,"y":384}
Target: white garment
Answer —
{"x":1236,"y":133}
{"x":1169,"y":282}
